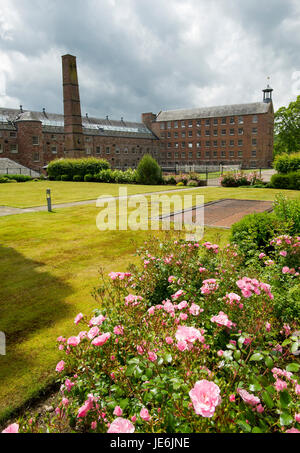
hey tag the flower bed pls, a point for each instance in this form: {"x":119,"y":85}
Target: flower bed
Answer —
{"x":193,"y":341}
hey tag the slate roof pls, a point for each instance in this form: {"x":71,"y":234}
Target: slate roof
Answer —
{"x":54,"y":123}
{"x":214,"y":112}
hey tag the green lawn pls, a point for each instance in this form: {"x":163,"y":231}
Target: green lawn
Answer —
{"x":49,"y":265}
{"x":33,"y":193}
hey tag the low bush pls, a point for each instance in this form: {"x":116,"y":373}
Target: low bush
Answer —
{"x":148,"y":171}
{"x":287,"y":163}
{"x":65,"y":178}
{"x":240,"y":179}
{"x":192,"y":183}
{"x":72,"y":167}
{"x":190,"y":341}
{"x":77,"y":178}
{"x":88,"y":178}
{"x":288,"y":212}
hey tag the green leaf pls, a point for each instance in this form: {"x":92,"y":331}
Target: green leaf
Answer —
{"x":295,"y":347}
{"x":293,"y":367}
{"x":257,"y":430}
{"x":168,"y":358}
{"x":268,"y":400}
{"x":269,"y":362}
{"x":237,"y":355}
{"x":245,"y":427}
{"x":285,"y":399}
{"x":124,"y":403}
{"x":286,"y":419}
{"x":255,"y":387}
{"x":256,"y":357}
{"x":286,"y":342}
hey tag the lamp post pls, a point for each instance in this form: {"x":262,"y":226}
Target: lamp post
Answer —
{"x":48,"y":195}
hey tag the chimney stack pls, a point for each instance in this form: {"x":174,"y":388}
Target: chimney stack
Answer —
{"x":74,"y":142}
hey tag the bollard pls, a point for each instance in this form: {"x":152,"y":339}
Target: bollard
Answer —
{"x":48,"y":195}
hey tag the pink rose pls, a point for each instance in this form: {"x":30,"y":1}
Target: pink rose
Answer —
{"x":169,"y":340}
{"x":152,"y":356}
{"x":144,"y":414}
{"x":205,"y":396}
{"x":99,"y":341}
{"x":73,"y":341}
{"x":248,"y":398}
{"x":93,"y":332}
{"x":11,"y":429}
{"x":121,"y":425}
{"x":60,"y":366}
{"x":182,"y":345}
{"x":188,"y":334}
{"x":78,"y":318}
{"x":118,"y":411}
{"x":293,"y":431}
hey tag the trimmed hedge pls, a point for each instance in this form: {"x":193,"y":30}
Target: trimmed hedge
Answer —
{"x":286,"y":181}
{"x":15,"y":178}
{"x":287,"y":163}
{"x":75,"y":167}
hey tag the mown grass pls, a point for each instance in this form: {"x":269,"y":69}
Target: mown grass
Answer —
{"x":33,"y":193}
{"x":49,"y":265}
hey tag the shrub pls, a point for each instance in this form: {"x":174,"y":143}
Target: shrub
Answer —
{"x":240,"y":179}
{"x":148,"y":171}
{"x":254,"y":232}
{"x":192,"y":183}
{"x":3,"y":180}
{"x":72,"y":167}
{"x":287,"y":163}
{"x":65,"y":178}
{"x":105,"y":176}
{"x":77,"y":178}
{"x":19,"y":178}
{"x":170,"y":180}
{"x":173,"y":347}
{"x":280,"y":181}
{"x":88,"y":177}
{"x":180,"y":184}
{"x":288,"y":212}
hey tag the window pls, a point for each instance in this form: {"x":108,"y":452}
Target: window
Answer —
{"x":223,"y":132}
{"x":207,"y":154}
{"x":35,"y":140}
{"x":54,"y":150}
{"x":176,"y":145}
{"x":223,"y":121}
{"x":198,"y":145}
{"x":215,"y":143}
{"x":53,"y":137}
{"x":1,"y":149}
{"x":198,"y":133}
{"x":36,"y":157}
{"x":240,"y":153}
{"x":215,"y":153}
{"x":223,"y":143}
{"x":215,"y":132}
{"x":107,"y":150}
{"x":231,"y":131}
{"x":231,"y":153}
{"x":207,"y":144}
{"x":88,"y":139}
{"x":190,"y":145}
{"x":207,"y":132}
{"x":231,"y":142}
{"x":169,"y":155}
{"x":14,"y":149}
{"x":125,"y":150}
{"x":255,"y":119}
{"x":176,"y":155}
{"x":207,"y":122}
{"x":175,"y":124}
{"x":182,"y":144}
{"x":183,"y":134}
{"x":254,"y":142}
{"x":215,"y":120}
{"x":162,"y":126}
{"x":162,"y":135}
{"x":13,"y":134}
{"x":254,"y":130}
{"x":182,"y":124}
{"x":190,"y":123}
{"x":190,"y":155}
{"x":240,"y":142}
{"x":133,"y":150}
{"x":183,"y":155}
{"x":88,"y":151}
{"x":118,"y":150}
{"x":169,"y":134}
{"x":198,"y":123}
{"x":198,"y":154}
{"x":241,"y":131}
{"x":190,"y":133}
{"x":241,"y":120}
{"x":169,"y":145}
{"x":232,"y":120}
{"x":169,"y":124}
{"x":223,"y":153}
{"x":253,"y":154}
{"x":176,"y":134}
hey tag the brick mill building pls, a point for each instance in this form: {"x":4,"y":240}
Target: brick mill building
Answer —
{"x":229,"y":135}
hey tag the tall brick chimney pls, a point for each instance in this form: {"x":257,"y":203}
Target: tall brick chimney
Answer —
{"x":74,"y":142}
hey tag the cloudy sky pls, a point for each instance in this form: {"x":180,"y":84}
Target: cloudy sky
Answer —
{"x":139,"y":56}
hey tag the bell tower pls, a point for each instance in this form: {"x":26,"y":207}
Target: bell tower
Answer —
{"x":268,"y":93}
{"x":74,"y":142}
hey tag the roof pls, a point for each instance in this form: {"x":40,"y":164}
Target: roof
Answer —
{"x":213,"y":112}
{"x":54,"y":122}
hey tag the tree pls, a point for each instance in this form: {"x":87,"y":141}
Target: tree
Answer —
{"x":287,"y":128}
{"x":148,"y":171}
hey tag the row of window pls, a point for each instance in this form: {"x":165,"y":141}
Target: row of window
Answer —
{"x":207,"y":154}
{"x":207,"y":133}
{"x":207,"y":144}
{"x":206,"y":122}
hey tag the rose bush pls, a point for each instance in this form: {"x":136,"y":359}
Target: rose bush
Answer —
{"x":190,"y":341}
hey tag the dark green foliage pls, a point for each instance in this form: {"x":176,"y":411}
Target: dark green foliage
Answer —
{"x":287,"y":163}
{"x":192,"y":183}
{"x":88,"y":177}
{"x":288,"y":212}
{"x":77,"y":178}
{"x":286,"y":181}
{"x":148,"y":171}
{"x":15,"y":178}
{"x":65,"y":178}
{"x":72,"y":167}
